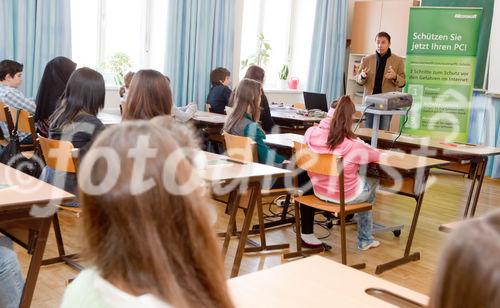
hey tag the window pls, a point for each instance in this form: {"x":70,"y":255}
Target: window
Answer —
{"x":107,"y":30}
{"x":287,"y":26}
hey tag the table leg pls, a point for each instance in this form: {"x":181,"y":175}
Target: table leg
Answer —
{"x":255,"y":191}
{"x":407,"y":257}
{"x":376,"y":123}
{"x":232,"y":204}
{"x":471,"y":191}
{"x":482,"y":171}
{"x":35,"y":263}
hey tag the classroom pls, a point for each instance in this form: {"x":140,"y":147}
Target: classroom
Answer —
{"x":249,"y":153}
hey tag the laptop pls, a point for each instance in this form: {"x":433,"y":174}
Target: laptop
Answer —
{"x":316,"y":101}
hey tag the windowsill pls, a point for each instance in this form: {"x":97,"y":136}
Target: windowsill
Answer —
{"x":283,"y":91}
{"x":271,"y":90}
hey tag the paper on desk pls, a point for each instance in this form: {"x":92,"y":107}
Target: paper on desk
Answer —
{"x":6,"y":186}
{"x":215,"y":162}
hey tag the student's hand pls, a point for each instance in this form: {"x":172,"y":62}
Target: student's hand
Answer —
{"x":391,"y":74}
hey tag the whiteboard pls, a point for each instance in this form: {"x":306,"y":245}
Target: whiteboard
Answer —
{"x":494,"y":67}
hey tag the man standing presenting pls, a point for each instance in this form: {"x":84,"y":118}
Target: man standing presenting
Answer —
{"x":379,"y":73}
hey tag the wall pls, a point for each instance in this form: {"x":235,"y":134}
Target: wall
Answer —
{"x":112,"y":99}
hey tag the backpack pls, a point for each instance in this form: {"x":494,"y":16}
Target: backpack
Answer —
{"x":12,"y":156}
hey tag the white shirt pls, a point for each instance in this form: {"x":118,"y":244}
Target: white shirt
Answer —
{"x":89,"y":289}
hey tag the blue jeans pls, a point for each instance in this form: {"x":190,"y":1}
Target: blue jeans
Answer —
{"x":385,"y":121}
{"x":365,"y":219}
{"x":11,"y":278}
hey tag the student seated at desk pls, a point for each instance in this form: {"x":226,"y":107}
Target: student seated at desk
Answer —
{"x":218,"y":96}
{"x":11,"y":77}
{"x":75,"y":120}
{"x":257,"y":73}
{"x":468,"y":274}
{"x":52,"y":85}
{"x":334,"y":135}
{"x":245,"y":102}
{"x":123,"y":92}
{"x":11,"y":278}
{"x":150,"y":95}
{"x":149,"y":245}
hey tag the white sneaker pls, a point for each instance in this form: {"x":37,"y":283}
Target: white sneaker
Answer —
{"x":310,"y":239}
{"x":373,"y":244}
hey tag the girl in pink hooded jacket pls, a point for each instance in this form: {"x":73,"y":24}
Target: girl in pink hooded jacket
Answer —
{"x":334,"y":135}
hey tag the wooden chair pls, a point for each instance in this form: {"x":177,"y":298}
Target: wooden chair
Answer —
{"x":61,"y":156}
{"x":330,"y":165}
{"x":25,"y":125}
{"x":208,"y":107}
{"x":245,"y":149}
{"x":6,"y":118}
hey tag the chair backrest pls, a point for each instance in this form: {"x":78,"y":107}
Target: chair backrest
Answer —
{"x":207,"y":107}
{"x":6,"y":117}
{"x":240,"y":148}
{"x":324,"y":164}
{"x":299,"y":106}
{"x":59,"y":155}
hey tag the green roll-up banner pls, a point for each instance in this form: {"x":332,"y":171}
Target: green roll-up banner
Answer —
{"x":440,"y":65}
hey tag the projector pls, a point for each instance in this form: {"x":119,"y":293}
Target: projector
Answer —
{"x":389,"y":100}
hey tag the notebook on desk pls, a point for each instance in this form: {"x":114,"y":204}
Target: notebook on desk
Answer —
{"x":316,"y":101}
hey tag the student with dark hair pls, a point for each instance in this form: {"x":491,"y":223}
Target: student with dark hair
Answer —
{"x":335,"y":135}
{"x":75,"y":120}
{"x":468,"y":274}
{"x":11,"y":77}
{"x":155,"y":248}
{"x":54,"y":79}
{"x":381,"y":72}
{"x":149,"y":96}
{"x":219,"y":94}
{"x":257,"y":73}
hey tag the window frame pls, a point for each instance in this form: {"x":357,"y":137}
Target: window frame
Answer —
{"x":146,"y":24}
{"x":290,"y":36}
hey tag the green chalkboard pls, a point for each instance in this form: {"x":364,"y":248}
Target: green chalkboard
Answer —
{"x":484,"y":36}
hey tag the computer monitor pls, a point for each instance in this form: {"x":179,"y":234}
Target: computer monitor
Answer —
{"x":316,"y":101}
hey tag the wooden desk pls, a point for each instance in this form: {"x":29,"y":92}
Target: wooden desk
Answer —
{"x":318,"y":282}
{"x":466,"y":159}
{"x":414,"y":171}
{"x":209,"y":118}
{"x":290,"y":121}
{"x":240,"y":178}
{"x":17,"y":211}
{"x":110,"y":117}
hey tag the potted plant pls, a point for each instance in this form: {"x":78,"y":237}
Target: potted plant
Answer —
{"x":283,"y":75}
{"x":119,"y":64}
{"x":261,"y":55}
